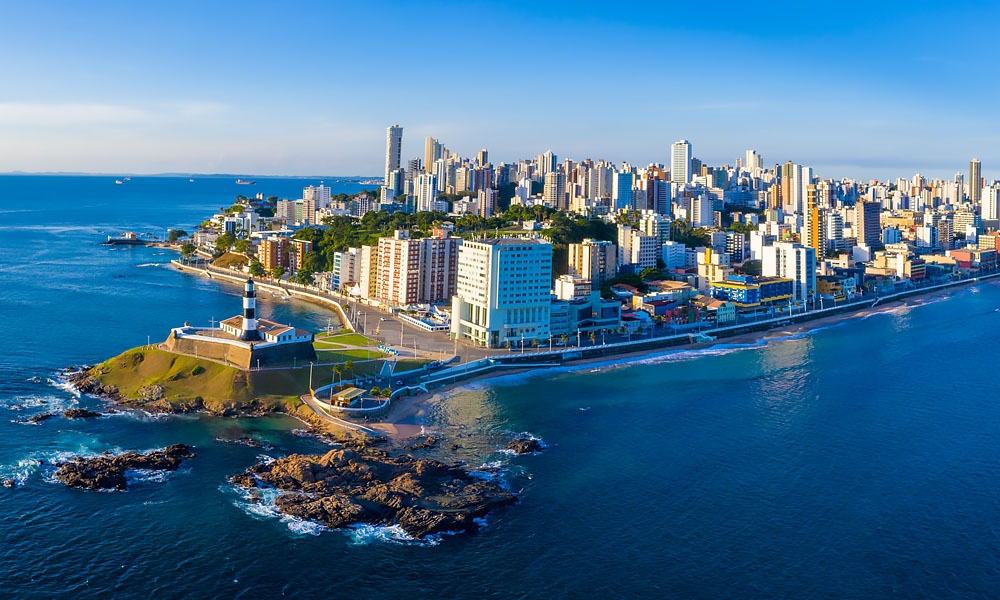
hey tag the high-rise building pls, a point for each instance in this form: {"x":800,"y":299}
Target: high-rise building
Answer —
{"x":368,"y":272}
{"x":483,"y":158}
{"x":432,"y":152}
{"x":795,"y":262}
{"x":426,"y":188}
{"x":438,"y":267}
{"x":989,"y":207}
{"x":546,"y":164}
{"x":273,"y":253}
{"x":702,"y":211}
{"x":680,"y":162}
{"x":867,"y":223}
{"x":554,"y":191}
{"x":636,"y":248}
{"x":346,"y":268}
{"x":487,"y":202}
{"x":975,"y":181}
{"x":753,"y":161}
{"x":393,"y":150}
{"x":504,"y":291}
{"x":398,"y":279}
{"x":815,"y":224}
{"x":297,"y":253}
{"x":320,"y":194}
{"x":593,"y":260}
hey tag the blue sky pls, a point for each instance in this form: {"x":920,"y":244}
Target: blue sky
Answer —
{"x":307,"y":88}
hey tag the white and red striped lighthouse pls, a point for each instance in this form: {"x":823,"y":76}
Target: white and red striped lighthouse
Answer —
{"x":249,"y":332}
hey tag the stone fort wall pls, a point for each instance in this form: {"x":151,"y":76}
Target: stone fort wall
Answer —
{"x":242,"y":356}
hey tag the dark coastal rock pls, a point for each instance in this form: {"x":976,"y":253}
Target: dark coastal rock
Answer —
{"x":524,"y":445}
{"x":80,"y":413}
{"x":40,"y":418}
{"x":86,"y":383}
{"x":369,"y":485}
{"x":107,"y":472}
{"x":426,"y":443}
{"x":246,"y":441}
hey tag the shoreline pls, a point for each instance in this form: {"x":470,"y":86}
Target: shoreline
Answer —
{"x":402,"y":426}
{"x":405,"y":417}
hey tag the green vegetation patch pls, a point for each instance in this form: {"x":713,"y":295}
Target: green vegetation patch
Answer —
{"x":347,"y":339}
{"x":230,"y":259}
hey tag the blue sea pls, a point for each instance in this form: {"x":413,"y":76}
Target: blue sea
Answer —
{"x":859,"y":460}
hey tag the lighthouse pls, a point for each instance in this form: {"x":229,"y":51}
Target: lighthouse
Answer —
{"x":249,"y":332}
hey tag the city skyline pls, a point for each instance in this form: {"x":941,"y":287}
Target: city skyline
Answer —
{"x":859,"y":91}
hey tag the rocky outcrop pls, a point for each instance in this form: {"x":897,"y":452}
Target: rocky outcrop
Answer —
{"x":80,"y":413}
{"x":86,"y":383}
{"x":107,"y":472}
{"x":40,"y":418}
{"x":361,"y":484}
{"x":524,"y":445}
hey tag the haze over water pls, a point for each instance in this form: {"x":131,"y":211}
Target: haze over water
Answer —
{"x":858,"y":461}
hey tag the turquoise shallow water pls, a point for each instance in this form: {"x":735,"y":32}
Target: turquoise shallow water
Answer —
{"x":858,"y":461}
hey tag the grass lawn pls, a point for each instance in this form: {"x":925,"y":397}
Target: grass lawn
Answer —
{"x":325,"y":355}
{"x":347,"y":339}
{"x":409,"y":364}
{"x":319,"y":345}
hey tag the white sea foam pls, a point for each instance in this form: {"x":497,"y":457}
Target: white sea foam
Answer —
{"x":64,"y":386}
{"x":259,"y":503}
{"x":143,"y":265}
{"x":45,"y":401}
{"x":363,"y":534}
{"x":133,"y":476}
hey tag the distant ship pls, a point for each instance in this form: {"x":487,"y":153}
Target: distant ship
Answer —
{"x":127,"y":238}
{"x":118,"y":182}
{"x":245,"y":182}
{"x":191,"y":180}
{"x":128,"y":179}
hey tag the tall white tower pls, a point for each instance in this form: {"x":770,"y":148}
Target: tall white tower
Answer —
{"x":680,"y":162}
{"x":249,"y":332}
{"x":393,"y":149}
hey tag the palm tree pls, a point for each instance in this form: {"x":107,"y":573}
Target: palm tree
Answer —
{"x":339,"y":370}
{"x":349,"y":366}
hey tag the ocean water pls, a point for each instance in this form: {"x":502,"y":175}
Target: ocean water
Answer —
{"x":861,"y":460}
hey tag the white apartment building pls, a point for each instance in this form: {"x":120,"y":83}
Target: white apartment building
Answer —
{"x":593,"y":260}
{"x":795,"y":262}
{"x":635,"y":248}
{"x":503,"y":292}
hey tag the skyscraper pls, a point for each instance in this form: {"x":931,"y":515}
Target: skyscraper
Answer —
{"x":867,"y":223}
{"x":393,"y":148}
{"x":680,"y":162}
{"x":554,"y":191}
{"x":503,"y":291}
{"x":975,"y":182}
{"x":432,"y":152}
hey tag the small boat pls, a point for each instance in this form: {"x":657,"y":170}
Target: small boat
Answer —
{"x":128,"y":179}
{"x":245,"y":182}
{"x":191,"y":180}
{"x":118,"y":182}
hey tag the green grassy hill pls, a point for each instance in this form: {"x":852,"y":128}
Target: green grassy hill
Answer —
{"x":164,"y":381}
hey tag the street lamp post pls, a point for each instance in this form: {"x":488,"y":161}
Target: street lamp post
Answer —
{"x":310,"y":375}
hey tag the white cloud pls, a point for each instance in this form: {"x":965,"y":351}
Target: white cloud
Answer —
{"x":13,"y":113}
{"x":62,"y":115}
